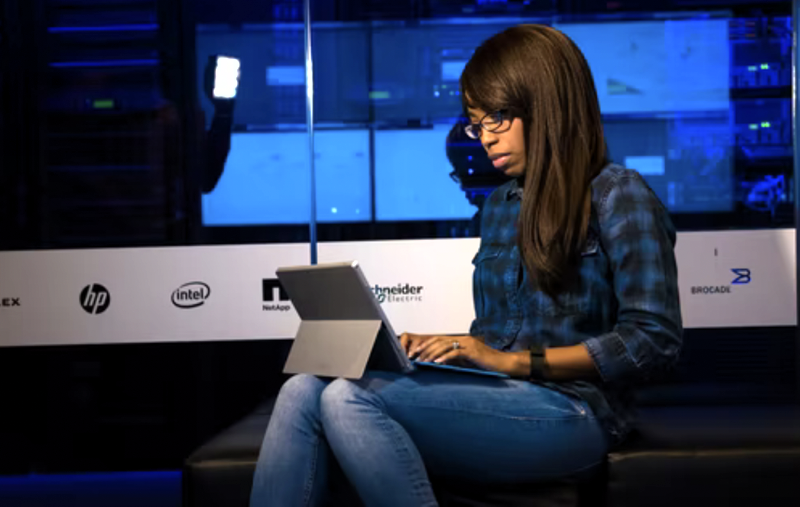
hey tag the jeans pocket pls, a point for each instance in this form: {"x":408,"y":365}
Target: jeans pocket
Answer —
{"x":578,"y":405}
{"x":569,"y":405}
{"x":553,"y":404}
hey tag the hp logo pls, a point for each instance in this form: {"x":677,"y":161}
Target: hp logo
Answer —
{"x":742,"y":276}
{"x":95,"y":299}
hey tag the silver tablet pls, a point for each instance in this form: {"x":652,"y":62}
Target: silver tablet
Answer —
{"x":343,"y":329}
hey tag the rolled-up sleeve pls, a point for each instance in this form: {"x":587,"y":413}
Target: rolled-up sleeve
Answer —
{"x":639,"y":239}
{"x":475,"y":328}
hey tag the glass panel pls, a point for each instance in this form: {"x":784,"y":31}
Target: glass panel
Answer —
{"x":262,"y":192}
{"x":698,"y":101}
{"x":128,"y":136}
{"x":109,"y":146}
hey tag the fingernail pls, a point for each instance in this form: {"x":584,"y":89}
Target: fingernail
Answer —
{"x":438,"y":360}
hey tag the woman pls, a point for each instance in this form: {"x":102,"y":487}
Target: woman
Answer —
{"x":576,"y":298}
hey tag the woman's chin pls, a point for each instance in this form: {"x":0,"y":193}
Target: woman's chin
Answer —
{"x":512,"y":171}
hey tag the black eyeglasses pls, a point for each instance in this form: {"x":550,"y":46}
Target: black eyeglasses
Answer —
{"x":497,"y":122}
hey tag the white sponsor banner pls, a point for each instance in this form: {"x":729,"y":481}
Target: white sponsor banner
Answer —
{"x":145,"y":294}
{"x":737,"y":278}
{"x":438,"y":272}
{"x":727,"y":279}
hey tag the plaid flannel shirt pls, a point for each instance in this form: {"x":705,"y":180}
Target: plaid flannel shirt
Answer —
{"x":624,"y":307}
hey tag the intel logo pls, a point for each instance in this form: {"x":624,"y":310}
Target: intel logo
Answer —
{"x":191,"y":295}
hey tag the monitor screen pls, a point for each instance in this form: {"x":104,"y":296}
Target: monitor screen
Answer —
{"x":266,"y":179}
{"x":656,"y":66}
{"x":412,"y":180}
{"x":674,"y":95}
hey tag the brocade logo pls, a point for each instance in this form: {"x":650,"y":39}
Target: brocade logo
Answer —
{"x":743,"y":277}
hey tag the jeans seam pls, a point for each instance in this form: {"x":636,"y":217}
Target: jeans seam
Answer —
{"x":569,"y":418}
{"x":398,"y":444}
{"x":309,"y":486}
{"x":578,"y":470}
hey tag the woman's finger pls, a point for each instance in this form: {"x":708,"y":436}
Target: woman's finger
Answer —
{"x":424,"y":344}
{"x":449,"y":356}
{"x":407,"y":341}
{"x":440,"y":348}
{"x":432,"y":353}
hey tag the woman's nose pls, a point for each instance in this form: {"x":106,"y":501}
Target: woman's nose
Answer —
{"x":488,"y":139}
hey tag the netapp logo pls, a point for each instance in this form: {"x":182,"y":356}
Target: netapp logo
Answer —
{"x":9,"y":302}
{"x":743,"y":277}
{"x":191,"y":295}
{"x":95,"y":299}
{"x":272,"y":290}
{"x":400,"y":293}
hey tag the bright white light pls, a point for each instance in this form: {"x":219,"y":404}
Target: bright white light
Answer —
{"x":226,"y":77}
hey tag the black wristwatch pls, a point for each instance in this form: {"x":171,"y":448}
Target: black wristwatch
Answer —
{"x":538,"y":363}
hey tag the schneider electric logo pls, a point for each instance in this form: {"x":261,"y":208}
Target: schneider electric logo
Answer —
{"x":274,"y":296}
{"x":742,"y":276}
{"x":400,"y":293}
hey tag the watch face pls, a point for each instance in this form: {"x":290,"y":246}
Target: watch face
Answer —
{"x":538,"y":364}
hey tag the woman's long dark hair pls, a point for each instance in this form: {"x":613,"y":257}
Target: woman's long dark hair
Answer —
{"x":541,"y":75}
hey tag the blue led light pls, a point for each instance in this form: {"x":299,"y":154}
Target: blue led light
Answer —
{"x":94,"y":477}
{"x":94,"y":489}
{"x":109,"y":28}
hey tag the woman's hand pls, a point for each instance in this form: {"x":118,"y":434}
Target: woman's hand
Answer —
{"x":410,"y":341}
{"x":440,"y":349}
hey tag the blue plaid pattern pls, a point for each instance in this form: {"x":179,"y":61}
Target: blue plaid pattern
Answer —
{"x":625,"y":306}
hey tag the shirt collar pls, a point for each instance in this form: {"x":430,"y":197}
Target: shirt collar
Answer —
{"x":514,"y":190}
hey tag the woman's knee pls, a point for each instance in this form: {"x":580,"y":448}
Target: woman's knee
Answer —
{"x":337,"y":394}
{"x":301,"y":389}
{"x":340,"y":396}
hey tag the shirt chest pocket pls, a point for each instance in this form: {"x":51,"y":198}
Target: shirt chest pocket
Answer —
{"x":487,"y":280}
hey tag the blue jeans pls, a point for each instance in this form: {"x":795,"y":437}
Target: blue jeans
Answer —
{"x":388,"y":431}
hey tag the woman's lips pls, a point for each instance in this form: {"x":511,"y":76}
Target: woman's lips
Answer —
{"x":500,"y":161}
